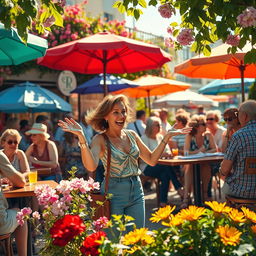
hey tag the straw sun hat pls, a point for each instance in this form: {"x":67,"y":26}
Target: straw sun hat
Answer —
{"x":38,"y":128}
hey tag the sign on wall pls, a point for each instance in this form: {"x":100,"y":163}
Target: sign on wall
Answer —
{"x":66,"y":82}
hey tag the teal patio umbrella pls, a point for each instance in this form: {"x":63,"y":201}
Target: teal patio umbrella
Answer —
{"x":31,"y":98}
{"x":14,"y":51}
{"x":226,"y":86}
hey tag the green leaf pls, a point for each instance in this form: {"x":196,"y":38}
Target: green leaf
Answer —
{"x":174,"y":24}
{"x":152,"y":2}
{"x":57,"y":16}
{"x":250,"y":57}
{"x":116,"y":4}
{"x":207,"y":50}
{"x":136,"y":14}
{"x":143,"y":3}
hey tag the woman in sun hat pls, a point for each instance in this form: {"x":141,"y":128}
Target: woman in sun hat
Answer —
{"x":43,"y":152}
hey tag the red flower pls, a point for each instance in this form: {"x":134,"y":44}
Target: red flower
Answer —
{"x":65,"y":229}
{"x":91,"y":244}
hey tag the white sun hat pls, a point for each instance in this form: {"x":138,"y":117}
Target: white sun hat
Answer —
{"x":38,"y":128}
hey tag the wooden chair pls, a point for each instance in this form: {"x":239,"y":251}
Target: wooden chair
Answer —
{"x":5,"y":241}
{"x":250,"y":169}
{"x":156,"y":181}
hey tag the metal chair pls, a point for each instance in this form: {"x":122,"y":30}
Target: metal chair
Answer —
{"x":250,"y":169}
{"x":5,"y":241}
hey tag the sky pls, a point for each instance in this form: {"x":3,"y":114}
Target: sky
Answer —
{"x":151,"y":21}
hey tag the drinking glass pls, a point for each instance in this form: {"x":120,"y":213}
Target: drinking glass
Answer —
{"x":32,"y":177}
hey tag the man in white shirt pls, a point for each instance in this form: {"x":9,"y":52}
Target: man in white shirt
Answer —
{"x":139,"y":124}
{"x":163,"y":114}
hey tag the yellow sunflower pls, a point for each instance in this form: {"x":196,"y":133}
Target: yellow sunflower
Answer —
{"x":237,"y":216}
{"x":229,"y":235}
{"x":138,"y":236}
{"x":250,"y":215}
{"x":218,"y":207}
{"x":162,"y":213}
{"x":253,"y":228}
{"x":174,"y":221}
{"x":191,"y":213}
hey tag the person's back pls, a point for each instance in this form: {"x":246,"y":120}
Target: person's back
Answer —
{"x":139,"y":124}
{"x":240,"y":147}
{"x":243,"y":146}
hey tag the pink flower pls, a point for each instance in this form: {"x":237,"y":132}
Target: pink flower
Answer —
{"x":166,"y":10}
{"x":247,"y":18}
{"x":36,"y":215}
{"x":45,"y":194}
{"x":233,"y":40}
{"x":185,"y":37}
{"x":49,"y":22}
{"x":168,"y":42}
{"x":23,"y":215}
{"x":169,"y":30}
{"x":100,"y":223}
{"x":26,"y":211}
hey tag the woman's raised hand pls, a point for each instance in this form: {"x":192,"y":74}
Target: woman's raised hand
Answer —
{"x":70,"y":125}
{"x":184,"y":130}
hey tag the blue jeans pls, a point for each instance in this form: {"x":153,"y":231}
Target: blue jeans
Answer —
{"x":128,"y":198}
{"x":165,"y":174}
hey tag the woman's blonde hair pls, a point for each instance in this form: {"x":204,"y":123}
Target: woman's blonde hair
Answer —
{"x":149,"y":124}
{"x":10,"y":132}
{"x":96,"y":118}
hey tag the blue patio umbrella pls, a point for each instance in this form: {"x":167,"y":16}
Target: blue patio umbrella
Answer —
{"x":32,"y":98}
{"x":14,"y":51}
{"x":96,"y":84}
{"x":226,"y":86}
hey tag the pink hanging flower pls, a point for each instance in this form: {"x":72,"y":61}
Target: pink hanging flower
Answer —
{"x":169,"y":30}
{"x":166,"y":10}
{"x":247,"y":18}
{"x":233,"y":40}
{"x":168,"y":42}
{"x":185,"y":37}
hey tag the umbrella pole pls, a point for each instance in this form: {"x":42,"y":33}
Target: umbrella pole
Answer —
{"x":79,"y":107}
{"x":149,"y":107}
{"x":242,"y":69}
{"x":104,"y":72}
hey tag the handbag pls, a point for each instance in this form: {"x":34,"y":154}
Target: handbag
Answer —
{"x":100,"y":202}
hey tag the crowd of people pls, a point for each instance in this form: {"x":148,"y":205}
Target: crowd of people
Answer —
{"x":136,"y":146}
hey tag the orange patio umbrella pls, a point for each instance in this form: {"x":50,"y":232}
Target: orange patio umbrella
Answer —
{"x":219,"y":65}
{"x":153,"y":86}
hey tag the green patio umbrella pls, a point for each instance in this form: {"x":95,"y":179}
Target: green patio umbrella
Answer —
{"x":14,"y":51}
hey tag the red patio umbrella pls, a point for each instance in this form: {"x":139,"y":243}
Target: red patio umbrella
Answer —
{"x":105,"y":53}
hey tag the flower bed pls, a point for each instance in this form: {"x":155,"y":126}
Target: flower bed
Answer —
{"x":70,"y":230}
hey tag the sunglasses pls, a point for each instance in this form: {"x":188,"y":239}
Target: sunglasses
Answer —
{"x":10,"y":142}
{"x":228,"y":119}
{"x":210,"y":119}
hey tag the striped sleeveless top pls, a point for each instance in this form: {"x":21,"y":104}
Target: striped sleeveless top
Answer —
{"x":122,"y":164}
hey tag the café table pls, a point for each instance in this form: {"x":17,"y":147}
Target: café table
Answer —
{"x":27,"y":192}
{"x":196,"y":170}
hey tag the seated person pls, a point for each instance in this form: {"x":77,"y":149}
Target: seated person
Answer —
{"x":165,"y":173}
{"x":240,"y":147}
{"x":199,"y":140}
{"x":43,"y":152}
{"x":231,"y":118}
{"x":8,"y":222}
